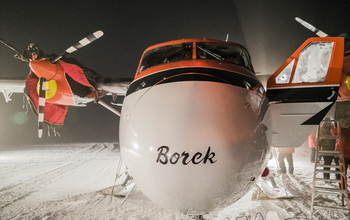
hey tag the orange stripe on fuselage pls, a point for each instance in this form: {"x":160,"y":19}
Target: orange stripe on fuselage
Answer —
{"x":195,"y":63}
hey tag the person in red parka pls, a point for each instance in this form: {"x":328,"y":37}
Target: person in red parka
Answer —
{"x":286,"y":153}
{"x":311,"y":141}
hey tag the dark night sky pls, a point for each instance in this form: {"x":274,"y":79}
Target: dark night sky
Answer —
{"x":267,"y":28}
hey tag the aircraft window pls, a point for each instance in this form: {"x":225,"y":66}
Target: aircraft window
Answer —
{"x":224,"y":52}
{"x":166,"y":54}
{"x":313,"y":62}
{"x":284,"y":76}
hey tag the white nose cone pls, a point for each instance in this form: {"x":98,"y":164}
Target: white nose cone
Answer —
{"x":192,"y":146}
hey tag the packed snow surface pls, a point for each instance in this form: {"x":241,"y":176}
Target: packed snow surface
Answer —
{"x":74,"y":181}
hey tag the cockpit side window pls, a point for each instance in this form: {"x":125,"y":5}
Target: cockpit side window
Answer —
{"x":224,"y":52}
{"x":166,"y":54}
{"x":313,"y":62}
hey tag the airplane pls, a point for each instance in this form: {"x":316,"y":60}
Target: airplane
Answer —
{"x":196,"y":125}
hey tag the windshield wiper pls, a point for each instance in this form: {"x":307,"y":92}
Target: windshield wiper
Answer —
{"x":169,"y":58}
{"x":216,"y":56}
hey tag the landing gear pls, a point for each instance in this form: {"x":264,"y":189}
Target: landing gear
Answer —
{"x":127,"y":187}
{"x":192,"y":217}
{"x":197,"y":217}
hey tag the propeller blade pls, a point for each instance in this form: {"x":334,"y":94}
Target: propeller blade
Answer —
{"x":83,"y":42}
{"x":8,"y":45}
{"x":42,"y":91}
{"x":311,"y":28}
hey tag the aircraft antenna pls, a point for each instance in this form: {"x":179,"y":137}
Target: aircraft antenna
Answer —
{"x":227,"y":37}
{"x":311,"y":28}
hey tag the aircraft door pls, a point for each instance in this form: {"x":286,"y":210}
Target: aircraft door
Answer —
{"x":303,"y":90}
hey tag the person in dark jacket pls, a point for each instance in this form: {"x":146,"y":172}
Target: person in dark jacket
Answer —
{"x":343,"y":145}
{"x":327,"y":144}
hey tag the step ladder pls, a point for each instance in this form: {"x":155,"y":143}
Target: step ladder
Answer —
{"x":329,"y":187}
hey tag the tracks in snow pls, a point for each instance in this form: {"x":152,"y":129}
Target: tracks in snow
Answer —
{"x":13,"y":193}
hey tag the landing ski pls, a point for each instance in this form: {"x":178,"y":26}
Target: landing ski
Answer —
{"x":273,"y":190}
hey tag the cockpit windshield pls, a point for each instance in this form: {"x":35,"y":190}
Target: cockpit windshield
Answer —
{"x":224,"y":52}
{"x":166,"y":54}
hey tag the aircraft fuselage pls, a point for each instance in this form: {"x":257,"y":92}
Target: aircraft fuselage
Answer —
{"x":190,"y":130}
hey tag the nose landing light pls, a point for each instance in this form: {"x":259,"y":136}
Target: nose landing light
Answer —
{"x":266,"y":172}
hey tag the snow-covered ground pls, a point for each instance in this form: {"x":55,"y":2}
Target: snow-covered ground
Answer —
{"x":74,"y":182}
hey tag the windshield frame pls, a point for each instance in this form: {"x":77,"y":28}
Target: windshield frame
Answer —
{"x":224,"y":52}
{"x":191,"y":49}
{"x":166,"y":54}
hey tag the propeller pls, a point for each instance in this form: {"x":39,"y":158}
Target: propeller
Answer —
{"x":8,"y":45}
{"x":42,"y":85}
{"x":41,"y":107}
{"x":83,"y":42}
{"x":311,"y":28}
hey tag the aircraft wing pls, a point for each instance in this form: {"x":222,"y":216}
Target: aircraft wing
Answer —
{"x":303,"y":91}
{"x":114,"y":86}
{"x":107,"y":85}
{"x":10,"y":86}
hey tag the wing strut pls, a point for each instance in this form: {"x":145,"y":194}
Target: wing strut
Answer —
{"x":108,"y":107}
